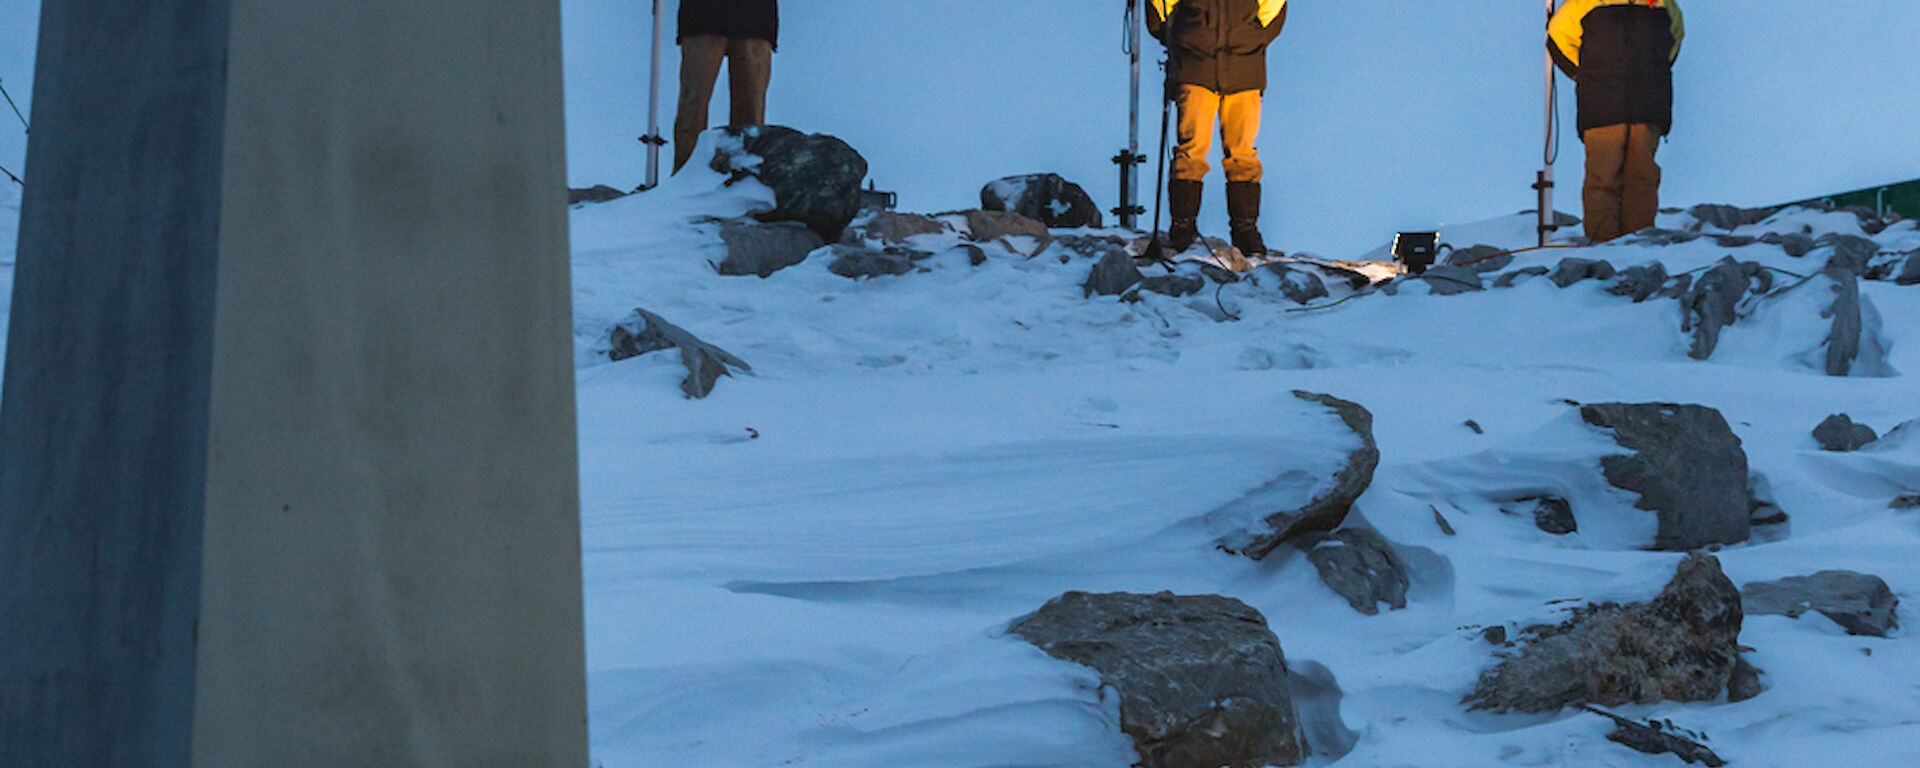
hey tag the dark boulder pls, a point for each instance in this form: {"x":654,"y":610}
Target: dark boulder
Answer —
{"x":598,"y":193}
{"x":1044,"y":197}
{"x":1328,"y":508}
{"x":1640,"y":283}
{"x":1728,"y":217}
{"x":1202,"y":680}
{"x":761,"y":249}
{"x":854,"y":261}
{"x":1844,"y":336}
{"x":1713,"y":302}
{"x":1554,"y":515}
{"x":1507,"y":280}
{"x":1795,"y":244}
{"x":1910,"y":272}
{"x":1112,"y":276}
{"x":1447,"y":280}
{"x":1481,"y":258}
{"x":1681,"y":646}
{"x":1361,"y":565}
{"x":1571,"y":270}
{"x":1839,"y":433}
{"x":1860,"y":603}
{"x":647,"y":332}
{"x":1687,"y":466}
{"x":815,"y":178}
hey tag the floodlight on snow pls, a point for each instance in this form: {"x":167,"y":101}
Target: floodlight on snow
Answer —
{"x":1415,"y":251}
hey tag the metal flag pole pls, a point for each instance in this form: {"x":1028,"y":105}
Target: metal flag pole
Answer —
{"x":1544,"y":182}
{"x":653,"y":139}
{"x":1130,"y":158}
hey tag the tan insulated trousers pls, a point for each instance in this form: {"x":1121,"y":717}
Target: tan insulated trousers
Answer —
{"x":1622,"y":193}
{"x":1238,"y":115}
{"x":749,"y":68}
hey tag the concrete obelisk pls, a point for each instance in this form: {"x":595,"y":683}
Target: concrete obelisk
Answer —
{"x":287,"y":452}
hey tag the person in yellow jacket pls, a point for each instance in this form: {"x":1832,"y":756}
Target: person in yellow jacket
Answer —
{"x":1217,"y":51}
{"x":1620,"y":55}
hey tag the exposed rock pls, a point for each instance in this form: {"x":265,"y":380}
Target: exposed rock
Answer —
{"x":1682,"y":646}
{"x":1655,"y":236}
{"x":1360,"y":565}
{"x":1045,"y":197}
{"x":1572,"y":270}
{"x":1794,"y":244}
{"x":815,"y":178}
{"x":1441,"y":520}
{"x":1853,"y":251}
{"x":1091,"y":246}
{"x":987,"y":226}
{"x":1298,"y":285}
{"x":1447,"y":280}
{"x":1174,"y":285}
{"x":1729,"y":217}
{"x":761,"y":249}
{"x":1112,"y":276}
{"x":1554,"y":515}
{"x":1734,"y":241}
{"x":598,"y":193}
{"x":1905,"y":501}
{"x":855,"y":261}
{"x":1843,"y":340}
{"x":1473,"y":425}
{"x":1910,"y":273}
{"x":1714,"y":300}
{"x":1658,"y":738}
{"x":976,"y":255}
{"x":1329,"y":508}
{"x":1687,"y":466}
{"x":1202,"y":680}
{"x":1839,"y":433}
{"x":1860,"y":603}
{"x":647,"y":332}
{"x":1481,"y":258}
{"x":1508,"y":279}
{"x":1745,"y":682}
{"x":1640,"y":283}
{"x":895,"y":228}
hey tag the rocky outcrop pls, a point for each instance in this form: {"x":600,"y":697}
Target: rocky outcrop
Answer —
{"x":761,"y":249}
{"x":1839,"y":433}
{"x":1860,"y":603}
{"x":1640,"y":283}
{"x":598,"y":193}
{"x":1360,"y":565}
{"x":1681,"y":646}
{"x":1509,"y":279}
{"x":1298,"y":285}
{"x":894,"y":228}
{"x":988,"y":226}
{"x":1572,"y":270}
{"x":1713,"y":302}
{"x":1687,"y":466}
{"x":1481,"y":258}
{"x":1044,"y":197}
{"x":1728,"y":217}
{"x":1112,"y":276}
{"x":857,"y":261}
{"x":1328,"y":508}
{"x":647,"y":332}
{"x":1202,"y":680}
{"x":815,"y":178}
{"x":1447,"y":280}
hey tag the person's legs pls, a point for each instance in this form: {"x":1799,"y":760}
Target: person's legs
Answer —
{"x":1640,"y":191}
{"x":700,"y":57}
{"x":749,"y":69}
{"x":1239,"y":126}
{"x":1198,"y":109}
{"x":1606,"y":168}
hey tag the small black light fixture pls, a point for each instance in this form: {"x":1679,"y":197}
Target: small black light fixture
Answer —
{"x":1416,"y":250}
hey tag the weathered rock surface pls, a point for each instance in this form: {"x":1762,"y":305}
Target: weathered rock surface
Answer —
{"x":1044,"y":197}
{"x":1554,"y":515}
{"x":1298,"y":285}
{"x":1728,"y":217}
{"x":598,"y":193}
{"x":1714,"y":300}
{"x":1681,"y":646}
{"x":1858,"y":602}
{"x":1112,"y":276}
{"x":815,"y":178}
{"x":1839,"y":433}
{"x":1572,"y":270}
{"x":1640,"y":283}
{"x":1481,"y":258}
{"x":987,"y":226}
{"x":1910,"y":272}
{"x":1508,"y":279}
{"x":1329,"y":508}
{"x":895,"y":228}
{"x":761,"y":249}
{"x":1687,"y":466}
{"x":1745,"y":682}
{"x":1655,"y":737}
{"x":647,"y":332}
{"x":856,"y":261}
{"x":1202,"y":680}
{"x":1795,"y":244}
{"x":1447,"y":280}
{"x":1844,"y":338}
{"x":1090,"y":246}
{"x":1360,"y":565}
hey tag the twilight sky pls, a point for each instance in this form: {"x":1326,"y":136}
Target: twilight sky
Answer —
{"x":1381,"y":114}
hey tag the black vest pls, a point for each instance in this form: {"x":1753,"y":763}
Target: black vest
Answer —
{"x":1626,"y":67}
{"x":744,"y":19}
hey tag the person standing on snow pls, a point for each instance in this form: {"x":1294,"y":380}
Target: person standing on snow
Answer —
{"x":1217,"y":72}
{"x":745,"y":34}
{"x":1620,"y":55}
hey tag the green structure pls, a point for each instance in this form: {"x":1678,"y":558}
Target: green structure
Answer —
{"x":1902,"y":199}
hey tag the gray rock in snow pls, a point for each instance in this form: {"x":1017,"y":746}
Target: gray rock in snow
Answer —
{"x":1908,"y":501}
{"x":1853,"y":250}
{"x":1174,"y":285}
{"x":815,"y":178}
{"x":1794,"y":244}
{"x":1839,"y":433}
{"x":976,"y":255}
{"x":988,"y":226}
{"x":1572,"y":270}
{"x":1910,"y":273}
{"x":1728,"y":217}
{"x":1329,"y":508}
{"x":1112,"y":276}
{"x":1714,"y":300}
{"x":1447,"y":280}
{"x":1860,"y":603}
{"x":1481,"y":258}
{"x":1507,"y":280}
{"x":1202,"y":680}
{"x":1843,"y":340}
{"x":1554,"y":515}
{"x":1661,"y":237}
{"x":855,"y":261}
{"x":1745,"y":682}
{"x":598,"y":193}
{"x":895,"y":228}
{"x":647,"y":332}
{"x":1640,"y":283}
{"x":1734,"y":241}
{"x":1681,"y":646}
{"x":761,"y":249}
{"x":1044,"y":197}
{"x":1090,"y":246}
{"x":1360,"y":565}
{"x":1298,"y":285}
{"x":1687,"y":466}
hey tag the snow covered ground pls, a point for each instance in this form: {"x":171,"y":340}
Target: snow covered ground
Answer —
{"x":815,"y":565}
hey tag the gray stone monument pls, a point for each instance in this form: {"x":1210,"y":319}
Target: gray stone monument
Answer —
{"x":287,"y":452}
